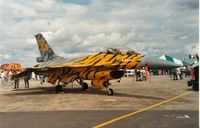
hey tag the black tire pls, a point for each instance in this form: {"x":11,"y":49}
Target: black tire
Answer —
{"x":189,"y":83}
{"x":110,"y":92}
{"x":195,"y":87}
{"x":84,"y":86}
{"x":59,"y":88}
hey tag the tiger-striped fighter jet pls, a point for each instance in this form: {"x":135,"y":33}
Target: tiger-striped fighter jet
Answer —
{"x":100,"y":68}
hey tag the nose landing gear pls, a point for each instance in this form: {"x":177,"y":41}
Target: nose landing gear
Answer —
{"x":110,"y":91}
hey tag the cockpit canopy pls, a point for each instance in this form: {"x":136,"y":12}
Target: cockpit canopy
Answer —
{"x":123,"y":51}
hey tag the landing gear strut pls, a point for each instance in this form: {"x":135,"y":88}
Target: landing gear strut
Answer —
{"x":84,"y":85}
{"x":110,"y":91}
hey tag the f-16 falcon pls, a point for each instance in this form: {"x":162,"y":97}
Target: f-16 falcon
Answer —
{"x":100,"y":68}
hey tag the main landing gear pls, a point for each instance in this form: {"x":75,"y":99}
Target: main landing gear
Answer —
{"x":59,"y":88}
{"x":84,"y":85}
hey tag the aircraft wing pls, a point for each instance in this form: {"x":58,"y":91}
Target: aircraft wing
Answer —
{"x":76,"y":67}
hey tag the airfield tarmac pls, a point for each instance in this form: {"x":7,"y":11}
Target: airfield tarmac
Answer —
{"x":159,"y":103}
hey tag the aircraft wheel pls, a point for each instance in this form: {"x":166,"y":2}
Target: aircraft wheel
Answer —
{"x":189,"y":83}
{"x":195,"y":87}
{"x":110,"y":92}
{"x":59,"y":88}
{"x":84,"y":86}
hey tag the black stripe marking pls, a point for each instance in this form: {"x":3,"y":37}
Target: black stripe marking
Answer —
{"x":86,"y":75}
{"x":95,"y":56}
{"x":94,"y":59}
{"x":96,"y":62}
{"x":118,"y":66}
{"x":134,"y":66}
{"x":128,"y":62}
{"x":82,"y":60}
{"x":101,"y":59}
{"x":101,"y":78}
{"x":95,"y":74}
{"x":68,"y":71}
{"x":86,"y":70}
{"x":111,"y":58}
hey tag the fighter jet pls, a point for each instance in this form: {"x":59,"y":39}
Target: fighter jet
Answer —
{"x":100,"y":68}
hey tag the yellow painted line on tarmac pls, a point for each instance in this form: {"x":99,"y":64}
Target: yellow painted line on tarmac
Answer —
{"x":141,"y":110}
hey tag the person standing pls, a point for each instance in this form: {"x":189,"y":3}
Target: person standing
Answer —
{"x":175,"y":74}
{"x":10,"y":74}
{"x":26,"y":80}
{"x":138,"y":75}
{"x":16,"y":80}
{"x":33,"y":76}
{"x":3,"y":78}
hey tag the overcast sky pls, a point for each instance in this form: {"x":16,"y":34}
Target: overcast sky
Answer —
{"x":75,"y":27}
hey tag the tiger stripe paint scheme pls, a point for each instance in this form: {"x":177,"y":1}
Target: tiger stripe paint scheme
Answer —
{"x":92,"y":67}
{"x":99,"y":68}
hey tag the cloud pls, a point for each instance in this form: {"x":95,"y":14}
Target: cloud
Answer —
{"x":190,"y":4}
{"x":192,"y":49}
{"x":76,"y":28}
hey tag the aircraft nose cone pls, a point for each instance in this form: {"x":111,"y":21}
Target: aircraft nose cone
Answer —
{"x":117,"y":74}
{"x":156,"y":63}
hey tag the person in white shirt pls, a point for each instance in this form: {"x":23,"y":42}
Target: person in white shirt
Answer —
{"x":3,"y":78}
{"x":33,"y":76}
{"x":10,"y":82}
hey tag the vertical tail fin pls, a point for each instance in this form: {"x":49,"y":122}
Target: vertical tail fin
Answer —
{"x":44,"y":48}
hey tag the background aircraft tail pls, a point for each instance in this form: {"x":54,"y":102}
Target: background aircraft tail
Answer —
{"x":44,"y":48}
